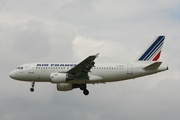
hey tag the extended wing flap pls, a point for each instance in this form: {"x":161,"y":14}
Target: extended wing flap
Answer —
{"x":152,"y":66}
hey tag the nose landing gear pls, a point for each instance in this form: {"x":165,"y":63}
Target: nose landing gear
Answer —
{"x":32,"y":84}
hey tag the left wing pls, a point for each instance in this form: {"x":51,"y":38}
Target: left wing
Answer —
{"x":83,"y":67}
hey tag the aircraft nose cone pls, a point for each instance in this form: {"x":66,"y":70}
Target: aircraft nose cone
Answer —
{"x":12,"y":75}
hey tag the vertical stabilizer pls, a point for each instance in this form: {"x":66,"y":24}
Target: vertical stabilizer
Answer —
{"x":153,"y":52}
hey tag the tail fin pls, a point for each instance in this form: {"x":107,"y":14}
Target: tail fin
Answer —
{"x":154,"y":50}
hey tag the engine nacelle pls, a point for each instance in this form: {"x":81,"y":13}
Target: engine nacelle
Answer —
{"x":64,"y":87}
{"x":60,"y":77}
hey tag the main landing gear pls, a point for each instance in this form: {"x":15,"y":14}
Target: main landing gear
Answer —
{"x":86,"y":92}
{"x":32,"y":84}
{"x":83,"y":87}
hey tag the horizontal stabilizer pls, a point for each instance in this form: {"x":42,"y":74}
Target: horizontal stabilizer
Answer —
{"x":152,"y":66}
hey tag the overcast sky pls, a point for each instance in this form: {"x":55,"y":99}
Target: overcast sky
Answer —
{"x":70,"y":31}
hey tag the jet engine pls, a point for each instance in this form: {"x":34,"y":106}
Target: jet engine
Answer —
{"x":64,"y":87}
{"x":60,"y":77}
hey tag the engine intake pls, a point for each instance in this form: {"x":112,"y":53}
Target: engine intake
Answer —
{"x":60,"y":77}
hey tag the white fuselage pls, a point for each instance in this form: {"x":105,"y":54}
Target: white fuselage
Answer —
{"x":101,"y":73}
{"x":69,"y":76}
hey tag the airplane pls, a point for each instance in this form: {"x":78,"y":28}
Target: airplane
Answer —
{"x":68,"y":76}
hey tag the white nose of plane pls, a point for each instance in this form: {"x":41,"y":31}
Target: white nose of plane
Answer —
{"x":12,"y":75}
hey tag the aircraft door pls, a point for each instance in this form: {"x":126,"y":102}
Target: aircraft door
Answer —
{"x":31,"y":69}
{"x":129,"y":69}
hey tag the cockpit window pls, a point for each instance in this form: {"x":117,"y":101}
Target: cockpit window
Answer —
{"x":20,"y":68}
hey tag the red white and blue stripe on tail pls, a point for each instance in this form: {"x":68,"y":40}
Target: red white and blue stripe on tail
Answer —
{"x":154,"y":51}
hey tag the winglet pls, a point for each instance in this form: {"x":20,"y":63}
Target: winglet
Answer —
{"x":153,"y":52}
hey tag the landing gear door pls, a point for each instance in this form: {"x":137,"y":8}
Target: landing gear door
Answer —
{"x":129,"y":69}
{"x":31,"y":69}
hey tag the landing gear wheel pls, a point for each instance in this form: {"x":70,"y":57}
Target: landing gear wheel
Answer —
{"x":32,"y":84}
{"x":32,"y":89}
{"x":86,"y":92}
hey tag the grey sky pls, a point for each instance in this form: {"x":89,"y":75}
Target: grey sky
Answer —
{"x":71,"y":30}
